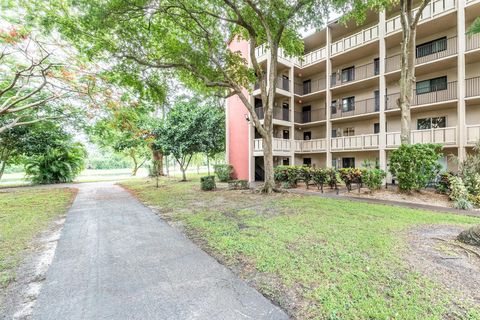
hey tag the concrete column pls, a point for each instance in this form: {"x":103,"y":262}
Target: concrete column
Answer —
{"x":328,"y":99}
{"x":461,"y":125}
{"x":383,"y":90}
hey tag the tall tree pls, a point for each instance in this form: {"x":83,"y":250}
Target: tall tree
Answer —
{"x":190,"y":36}
{"x":213,"y":132}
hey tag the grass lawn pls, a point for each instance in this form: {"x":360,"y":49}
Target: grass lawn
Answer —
{"x":23,"y":214}
{"x":317,"y":258}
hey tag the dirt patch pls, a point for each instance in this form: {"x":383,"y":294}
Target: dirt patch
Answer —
{"x":428,"y":197}
{"x":436,"y":254}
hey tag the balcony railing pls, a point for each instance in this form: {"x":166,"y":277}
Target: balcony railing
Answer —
{"x":473,"y":134}
{"x":358,"y":108}
{"x":445,"y":136}
{"x":314,"y":145}
{"x":310,"y":116}
{"x":278,"y":113}
{"x":314,"y":56}
{"x":307,"y":59}
{"x":472,"y":41}
{"x":447,"y":94}
{"x":393,"y":63}
{"x":359,"y":73}
{"x":433,"y":9}
{"x":360,"y":142}
{"x":472,"y":87}
{"x":283,"y":83}
{"x":279,"y":145}
{"x":315,"y":86}
{"x":356,"y":40}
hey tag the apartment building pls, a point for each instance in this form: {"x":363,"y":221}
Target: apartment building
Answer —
{"x":336,"y":106}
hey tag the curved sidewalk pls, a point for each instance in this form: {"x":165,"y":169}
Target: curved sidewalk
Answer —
{"x":118,"y":260}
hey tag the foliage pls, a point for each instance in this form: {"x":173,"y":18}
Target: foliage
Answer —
{"x":362,"y":273}
{"x":351,"y":175}
{"x":443,"y":183}
{"x":237,"y":184}
{"x":207,"y":183}
{"x":23,"y":214}
{"x":333,"y":178}
{"x":213,"y":129}
{"x":469,"y":170}
{"x":475,"y":27}
{"x":415,"y":165}
{"x":305,"y":173}
{"x":57,"y":165}
{"x":320,"y":177}
{"x":373,"y":178}
{"x":459,"y":194}
{"x":106,"y":160}
{"x":287,"y":175}
{"x":223,"y":172}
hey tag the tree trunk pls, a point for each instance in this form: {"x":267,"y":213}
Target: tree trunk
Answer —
{"x":158,"y":161}
{"x":135,"y":163}
{"x":184,"y":175}
{"x":208,"y":165}
{"x":269,"y":184}
{"x":2,"y":168}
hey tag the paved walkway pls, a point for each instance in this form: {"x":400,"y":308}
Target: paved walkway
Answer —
{"x":118,"y":260}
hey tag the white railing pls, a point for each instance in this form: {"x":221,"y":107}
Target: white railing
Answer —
{"x":314,"y":145}
{"x":473,"y":134}
{"x":364,"y":141}
{"x":432,"y":10}
{"x":355,"y":40}
{"x":307,"y":59}
{"x":283,"y":145}
{"x":446,"y":136}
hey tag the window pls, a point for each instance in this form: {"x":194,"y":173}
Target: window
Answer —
{"x":348,"y":104}
{"x":285,"y":112}
{"x":333,"y":106}
{"x":348,"y":162}
{"x":333,"y":79}
{"x":431,"y":85}
{"x":307,"y":86}
{"x":347,"y":132}
{"x":376,"y":128}
{"x":307,"y":135}
{"x":431,"y":123}
{"x":334,"y":133}
{"x":286,"y":161}
{"x":306,"y":114}
{"x":257,"y":134}
{"x":376,"y":95}
{"x":431,"y":47}
{"x":334,"y":163}
{"x":376,"y":66}
{"x":286,"y":134}
{"x":307,"y":162}
{"x":348,"y":74}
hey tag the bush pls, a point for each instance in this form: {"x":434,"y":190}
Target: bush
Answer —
{"x":238,"y":184}
{"x":475,"y":200}
{"x":287,"y":175}
{"x":57,"y":165}
{"x":459,"y":194}
{"x":320,"y":177}
{"x":443,"y":183}
{"x":415,"y":165}
{"x":305,"y":174}
{"x":351,"y":175}
{"x":373,"y":178}
{"x":333,"y":178}
{"x":223,"y":172}
{"x":207,"y":183}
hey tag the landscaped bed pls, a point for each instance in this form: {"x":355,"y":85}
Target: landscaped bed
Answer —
{"x":323,"y":258}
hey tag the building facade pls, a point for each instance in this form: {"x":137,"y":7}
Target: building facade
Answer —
{"x":336,"y":106}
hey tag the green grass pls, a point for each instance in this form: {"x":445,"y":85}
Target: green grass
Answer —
{"x":318,"y":258}
{"x":23,"y":214}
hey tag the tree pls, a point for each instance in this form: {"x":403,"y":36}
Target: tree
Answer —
{"x":475,"y":27}
{"x":213,"y":132}
{"x":190,"y":37}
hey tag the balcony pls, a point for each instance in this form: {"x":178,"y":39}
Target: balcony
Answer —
{"x":355,"y":40}
{"x":315,"y":86}
{"x":445,"y":136}
{"x":358,"y":108}
{"x":356,"y":74}
{"x":393,"y":63}
{"x":306,"y":60}
{"x":359,"y":142}
{"x":472,"y":41}
{"x":282,"y":83}
{"x":313,"y":57}
{"x":431,"y":11}
{"x":308,"y":146}
{"x":439,"y":95}
{"x":472,"y":87}
{"x":278,"y":145}
{"x":278,"y":113}
{"x":310,"y":116}
{"x":473,"y":134}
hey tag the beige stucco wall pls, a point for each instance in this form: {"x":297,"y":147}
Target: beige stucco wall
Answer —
{"x":361,"y":126}
{"x":393,"y":122}
{"x":318,"y":132}
{"x":318,"y":159}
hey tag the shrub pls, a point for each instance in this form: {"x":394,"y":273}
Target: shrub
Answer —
{"x":333,"y":178}
{"x":238,"y":184}
{"x":223,"y":172}
{"x":475,"y":200}
{"x":305,"y":174}
{"x":443,"y":183}
{"x":207,"y":183}
{"x":57,"y":165}
{"x":320,"y":177}
{"x":459,"y":194}
{"x":415,"y":165}
{"x":287,"y":175}
{"x":351,"y":175}
{"x":373,"y":178}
